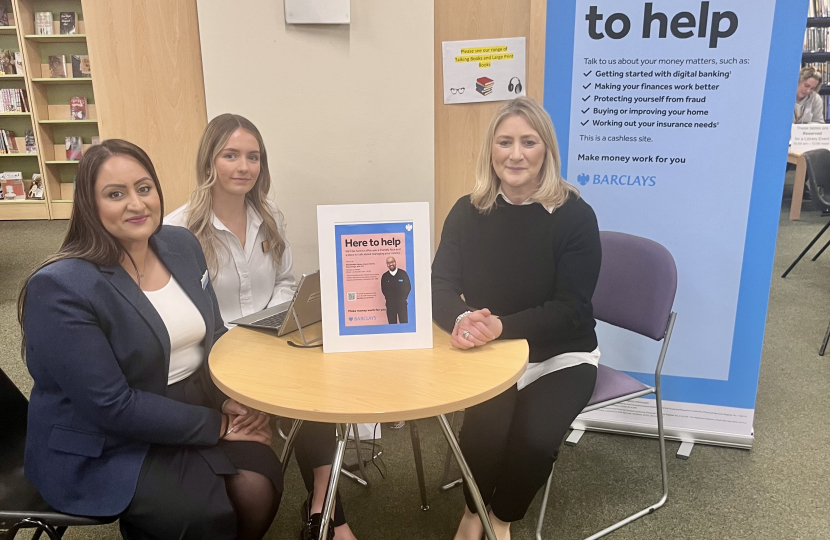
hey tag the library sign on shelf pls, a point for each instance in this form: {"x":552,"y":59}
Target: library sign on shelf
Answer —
{"x":805,"y":137}
{"x":484,"y":70}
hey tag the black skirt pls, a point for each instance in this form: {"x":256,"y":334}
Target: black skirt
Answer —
{"x":181,"y":489}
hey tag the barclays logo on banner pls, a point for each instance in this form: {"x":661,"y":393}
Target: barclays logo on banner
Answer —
{"x":617,"y":180}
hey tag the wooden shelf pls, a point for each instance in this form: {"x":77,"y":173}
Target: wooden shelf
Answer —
{"x":15,"y":114}
{"x":57,"y":38}
{"x":67,"y":122}
{"x":11,"y":77}
{"x":8,"y":30}
{"x":65,"y":162}
{"x":61,"y":209}
{"x":15,"y":210}
{"x":61,"y":80}
{"x":18,"y":155}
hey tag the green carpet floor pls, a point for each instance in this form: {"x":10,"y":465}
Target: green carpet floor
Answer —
{"x":779,"y":490}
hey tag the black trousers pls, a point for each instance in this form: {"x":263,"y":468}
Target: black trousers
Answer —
{"x":397,"y":312}
{"x":511,"y":441}
{"x":314,"y":447}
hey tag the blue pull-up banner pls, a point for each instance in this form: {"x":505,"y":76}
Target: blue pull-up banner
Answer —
{"x":673,"y":118}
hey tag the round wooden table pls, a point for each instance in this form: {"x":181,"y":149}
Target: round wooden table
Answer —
{"x":263,"y":371}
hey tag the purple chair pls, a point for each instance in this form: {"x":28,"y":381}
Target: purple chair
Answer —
{"x":635,"y":291}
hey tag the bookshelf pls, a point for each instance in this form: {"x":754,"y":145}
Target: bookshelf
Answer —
{"x":50,"y":117}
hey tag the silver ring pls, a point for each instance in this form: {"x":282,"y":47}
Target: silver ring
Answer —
{"x":465,"y":335}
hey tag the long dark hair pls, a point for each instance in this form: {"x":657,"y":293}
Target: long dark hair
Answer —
{"x":87,"y":238}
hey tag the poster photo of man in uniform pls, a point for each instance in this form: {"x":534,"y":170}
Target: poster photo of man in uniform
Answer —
{"x":395,"y":286}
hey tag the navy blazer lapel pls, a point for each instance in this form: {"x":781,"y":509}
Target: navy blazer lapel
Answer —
{"x":186,"y":272}
{"x":124,"y":284}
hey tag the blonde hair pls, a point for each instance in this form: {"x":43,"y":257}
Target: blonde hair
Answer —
{"x":200,"y":208}
{"x":553,"y":189}
{"x":809,"y":72}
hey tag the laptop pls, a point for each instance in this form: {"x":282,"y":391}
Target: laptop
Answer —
{"x":306,"y":304}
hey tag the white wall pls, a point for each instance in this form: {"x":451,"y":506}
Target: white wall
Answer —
{"x":346,"y":111}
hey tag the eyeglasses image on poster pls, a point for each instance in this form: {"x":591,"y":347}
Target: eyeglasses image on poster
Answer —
{"x":374,"y":278}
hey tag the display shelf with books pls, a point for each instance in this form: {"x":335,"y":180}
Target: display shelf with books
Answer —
{"x":52,"y":37}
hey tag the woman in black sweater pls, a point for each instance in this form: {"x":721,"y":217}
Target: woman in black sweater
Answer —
{"x":523,"y":249}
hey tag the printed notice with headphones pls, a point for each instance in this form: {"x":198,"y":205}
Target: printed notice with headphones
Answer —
{"x":484,"y":70}
{"x":375,"y":276}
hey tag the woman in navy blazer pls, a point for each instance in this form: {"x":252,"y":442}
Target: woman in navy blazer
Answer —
{"x":112,"y":429}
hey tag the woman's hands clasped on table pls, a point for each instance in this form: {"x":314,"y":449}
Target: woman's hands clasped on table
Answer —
{"x":247,"y":424}
{"x":476,"y":329}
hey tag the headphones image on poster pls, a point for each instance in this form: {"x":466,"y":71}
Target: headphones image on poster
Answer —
{"x":517,"y":88}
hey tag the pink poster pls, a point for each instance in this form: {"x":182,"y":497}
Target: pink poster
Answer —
{"x":368,"y":261}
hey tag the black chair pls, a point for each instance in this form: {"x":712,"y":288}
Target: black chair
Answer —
{"x":818,"y":178}
{"x":21,"y":506}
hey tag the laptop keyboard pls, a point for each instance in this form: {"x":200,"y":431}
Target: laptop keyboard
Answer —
{"x":274,"y":321}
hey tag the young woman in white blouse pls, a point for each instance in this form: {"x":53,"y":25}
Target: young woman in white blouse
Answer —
{"x":250,"y":264}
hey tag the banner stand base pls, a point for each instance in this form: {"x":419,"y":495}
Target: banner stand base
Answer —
{"x":712,"y":438}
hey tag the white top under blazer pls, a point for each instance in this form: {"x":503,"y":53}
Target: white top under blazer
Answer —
{"x":247,"y":281}
{"x":186,"y":329}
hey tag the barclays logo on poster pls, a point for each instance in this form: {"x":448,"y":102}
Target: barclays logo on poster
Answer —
{"x":617,"y":180}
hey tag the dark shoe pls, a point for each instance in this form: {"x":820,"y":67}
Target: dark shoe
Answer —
{"x":311,"y":529}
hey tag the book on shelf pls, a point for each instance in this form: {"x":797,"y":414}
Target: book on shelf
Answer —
{"x":5,"y":9}
{"x":8,"y":144}
{"x":7,"y":62}
{"x":57,"y":67}
{"x":11,"y":184}
{"x":77,"y":108}
{"x":36,"y":191}
{"x":819,"y":8}
{"x":80,"y":66}
{"x":74,"y":148}
{"x":69,"y":21}
{"x":43,"y":23}
{"x":95,"y":140}
{"x":13,"y":100}
{"x":31,"y":145}
{"x":18,"y":63}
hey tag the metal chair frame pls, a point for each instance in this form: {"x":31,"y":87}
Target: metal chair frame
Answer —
{"x":661,"y":437}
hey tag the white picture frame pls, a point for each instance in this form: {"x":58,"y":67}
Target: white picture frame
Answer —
{"x":359,"y":294}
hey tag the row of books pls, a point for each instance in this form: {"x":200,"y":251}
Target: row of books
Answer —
{"x":68,"y":23}
{"x":11,"y":62}
{"x":13,"y":189}
{"x":13,"y":100}
{"x":81,"y":67}
{"x":819,"y":8}
{"x":816,"y":39}
{"x":823,"y":68}
{"x":8,"y":142}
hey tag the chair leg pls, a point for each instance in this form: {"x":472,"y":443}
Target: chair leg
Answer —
{"x":810,"y":245}
{"x":824,"y":343}
{"x":542,"y":510}
{"x":821,"y":250}
{"x":419,"y":463}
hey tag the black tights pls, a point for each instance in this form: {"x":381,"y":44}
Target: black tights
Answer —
{"x":255,"y":502}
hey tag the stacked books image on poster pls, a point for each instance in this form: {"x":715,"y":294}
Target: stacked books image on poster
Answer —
{"x":484,"y":85}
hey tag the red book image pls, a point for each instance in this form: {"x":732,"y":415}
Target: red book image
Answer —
{"x":77,"y":108}
{"x":13,"y":190}
{"x":484,"y":81}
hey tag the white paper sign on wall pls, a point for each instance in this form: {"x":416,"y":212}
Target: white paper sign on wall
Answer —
{"x":317,"y":11}
{"x":805,"y":137}
{"x":484,"y":70}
